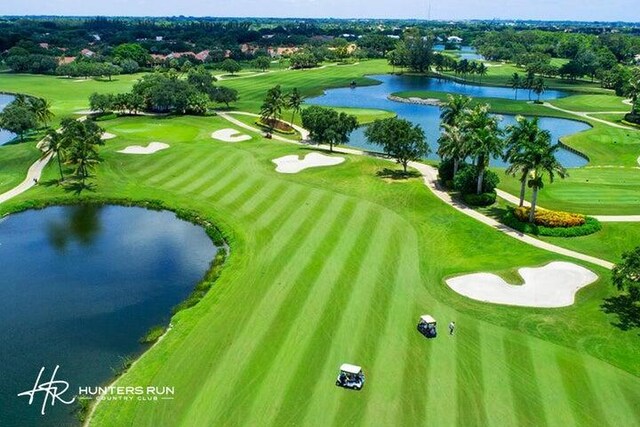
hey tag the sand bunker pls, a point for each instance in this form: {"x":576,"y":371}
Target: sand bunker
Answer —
{"x":293,"y":164}
{"x":553,"y":285}
{"x":107,"y":135}
{"x":230,"y":135}
{"x":153,"y":147}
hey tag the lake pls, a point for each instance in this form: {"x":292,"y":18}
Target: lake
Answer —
{"x":79,"y":287}
{"x":429,"y":116}
{"x":5,"y":136}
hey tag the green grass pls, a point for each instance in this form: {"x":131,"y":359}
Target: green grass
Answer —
{"x":15,"y":160}
{"x":591,"y":103}
{"x":335,"y":265}
{"x":592,"y":191}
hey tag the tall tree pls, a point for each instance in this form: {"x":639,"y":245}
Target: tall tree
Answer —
{"x":41,"y":108}
{"x":230,"y":66}
{"x":272,"y":106}
{"x":522,"y":140}
{"x":516,"y":83}
{"x":18,"y":118}
{"x":543,"y":160}
{"x":452,"y":144}
{"x":483,"y":134}
{"x":454,"y":109}
{"x":57,"y":145}
{"x":327,"y":126}
{"x":399,"y":138}
{"x":294,"y":102}
{"x":626,"y":274}
{"x":539,"y":86}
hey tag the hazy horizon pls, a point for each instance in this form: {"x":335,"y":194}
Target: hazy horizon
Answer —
{"x":541,"y":10}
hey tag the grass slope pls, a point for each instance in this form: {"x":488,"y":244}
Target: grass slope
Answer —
{"x":335,"y":265}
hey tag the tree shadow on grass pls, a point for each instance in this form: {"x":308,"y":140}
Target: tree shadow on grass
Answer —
{"x":626,"y":307}
{"x":397,"y":174}
{"x":77,"y":187}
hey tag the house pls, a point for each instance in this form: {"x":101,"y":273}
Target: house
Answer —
{"x":637,"y":59}
{"x":44,"y":45}
{"x":248,"y":49}
{"x":202,"y":56}
{"x":454,"y":39}
{"x":87,"y":53}
{"x":177,"y":55}
{"x":96,"y":37}
{"x":159,"y":38}
{"x":282,"y":51}
{"x":66,"y":60}
{"x":157,"y":58}
{"x":393,"y":36}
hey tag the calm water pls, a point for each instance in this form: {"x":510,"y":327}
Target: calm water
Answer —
{"x":429,"y":117}
{"x":79,"y":287}
{"x":466,"y":52}
{"x":5,"y":136}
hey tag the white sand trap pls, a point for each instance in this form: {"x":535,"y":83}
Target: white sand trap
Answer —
{"x":153,"y":147}
{"x":293,"y":164}
{"x":553,"y":285}
{"x":229,"y":135}
{"x":108,"y":135}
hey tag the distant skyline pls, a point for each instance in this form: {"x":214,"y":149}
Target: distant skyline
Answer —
{"x":573,"y":10}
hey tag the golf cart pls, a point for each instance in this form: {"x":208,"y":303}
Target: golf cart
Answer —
{"x":427,"y":326}
{"x":350,"y":376}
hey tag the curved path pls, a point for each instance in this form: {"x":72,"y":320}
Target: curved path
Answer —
{"x":33,"y":175}
{"x":430,"y":178}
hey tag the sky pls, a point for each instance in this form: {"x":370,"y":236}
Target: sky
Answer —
{"x":575,"y":10}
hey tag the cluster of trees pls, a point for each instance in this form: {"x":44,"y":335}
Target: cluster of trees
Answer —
{"x":275,"y":102}
{"x":76,"y":144}
{"x":469,"y":131}
{"x":399,"y":139}
{"x":529,"y":82}
{"x":88,"y":69}
{"x":24,"y":114}
{"x":327,"y":126}
{"x":633,"y":91}
{"x":414,"y":52}
{"x":167,"y":92}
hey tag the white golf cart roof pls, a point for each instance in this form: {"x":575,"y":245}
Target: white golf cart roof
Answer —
{"x":427,"y":319}
{"x":350,"y":369}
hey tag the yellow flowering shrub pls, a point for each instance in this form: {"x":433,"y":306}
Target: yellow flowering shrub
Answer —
{"x":552,"y":219}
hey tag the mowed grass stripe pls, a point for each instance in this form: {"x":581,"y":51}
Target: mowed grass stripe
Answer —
{"x":583,"y":399}
{"x":307,"y":320}
{"x":394,"y":368}
{"x":255,"y":328}
{"x":469,"y":377}
{"x":148,"y":167}
{"x":271,"y":192}
{"x":173,"y":170}
{"x":248,"y":187}
{"x":226,"y":184}
{"x":348,"y":323}
{"x":528,"y":403}
{"x":375,"y":338}
{"x":499,"y":404}
{"x":197,"y":169}
{"x":312,"y":370}
{"x":289,"y":325}
{"x":226,"y":167}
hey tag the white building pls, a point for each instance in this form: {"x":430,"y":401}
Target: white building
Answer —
{"x":454,"y":39}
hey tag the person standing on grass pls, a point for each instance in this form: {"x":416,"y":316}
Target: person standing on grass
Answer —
{"x":452,"y":327}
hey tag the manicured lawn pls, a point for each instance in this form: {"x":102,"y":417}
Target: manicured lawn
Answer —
{"x":335,"y":265}
{"x":15,"y":159}
{"x":594,"y":191}
{"x":592,"y":102}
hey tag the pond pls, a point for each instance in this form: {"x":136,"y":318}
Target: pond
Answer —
{"x":5,"y":136}
{"x":465,"y":52}
{"x":429,"y":116}
{"x":79,"y":287}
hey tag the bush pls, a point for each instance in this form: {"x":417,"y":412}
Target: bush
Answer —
{"x":551,"y":219}
{"x":484,"y":199}
{"x":632,"y":118}
{"x":466,"y":180}
{"x":153,"y":335}
{"x":445,"y":170}
{"x":590,"y":226}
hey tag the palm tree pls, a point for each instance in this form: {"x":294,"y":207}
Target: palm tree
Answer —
{"x":454,"y":109}
{"x":294,"y":102}
{"x":539,"y":87}
{"x":528,"y":82}
{"x":57,"y":145}
{"x":483,"y":135}
{"x":452,"y":145}
{"x":516,"y":83}
{"x":482,"y":70}
{"x":522,"y":139}
{"x":41,"y":108}
{"x":272,"y":106}
{"x":543,"y":160}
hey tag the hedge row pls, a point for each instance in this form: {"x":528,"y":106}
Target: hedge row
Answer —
{"x":590,"y":226}
{"x":551,"y":219}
